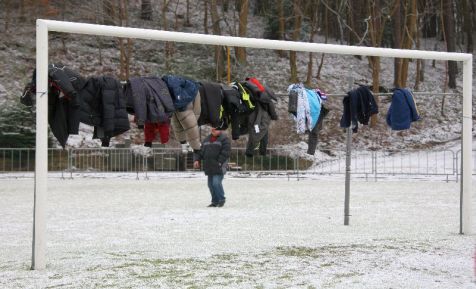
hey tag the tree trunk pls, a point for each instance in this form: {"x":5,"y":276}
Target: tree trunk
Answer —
{"x":419,"y":61}
{"x":450,"y":39}
{"x":109,"y":14}
{"x":408,"y":39}
{"x":165,"y":26}
{"x":125,"y":46}
{"x":313,"y":11}
{"x":219,"y":55}
{"x":430,"y":21}
{"x":205,"y":17}
{"x":357,"y":13}
{"x":7,"y":13}
{"x":226,"y":4}
{"x":326,"y":29}
{"x":242,"y":29}
{"x":468,"y":24}
{"x":296,"y":35}
{"x":376,"y":29}
{"x":397,"y":42}
{"x":281,"y":25}
{"x":146,"y":10}
{"x":22,"y":10}
{"x":187,"y":15}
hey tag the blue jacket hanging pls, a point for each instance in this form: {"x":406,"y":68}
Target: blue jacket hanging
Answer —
{"x":402,"y":111}
{"x":315,"y":106}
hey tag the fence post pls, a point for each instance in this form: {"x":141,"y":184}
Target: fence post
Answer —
{"x":146,"y":158}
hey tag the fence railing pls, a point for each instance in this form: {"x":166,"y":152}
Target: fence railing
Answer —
{"x":369,"y":164}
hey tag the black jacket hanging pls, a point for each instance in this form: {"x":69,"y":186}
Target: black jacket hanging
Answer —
{"x":64,"y":85}
{"x":359,"y":105}
{"x":103,"y":106}
{"x":211,"y":100}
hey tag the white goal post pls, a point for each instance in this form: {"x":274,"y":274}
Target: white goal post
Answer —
{"x":41,"y":156}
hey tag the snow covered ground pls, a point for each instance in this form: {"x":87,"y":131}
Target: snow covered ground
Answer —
{"x":272,"y":233}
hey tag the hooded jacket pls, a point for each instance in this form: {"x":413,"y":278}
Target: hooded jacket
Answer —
{"x":64,"y":85}
{"x":263,"y":95}
{"x":403,"y":110}
{"x":214,"y":155}
{"x":182,"y":90}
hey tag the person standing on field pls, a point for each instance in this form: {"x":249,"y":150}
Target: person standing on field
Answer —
{"x":213,"y":158}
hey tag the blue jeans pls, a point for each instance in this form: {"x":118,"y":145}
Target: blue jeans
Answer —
{"x":216,"y":188}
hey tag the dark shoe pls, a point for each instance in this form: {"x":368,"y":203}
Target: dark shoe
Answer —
{"x":212,"y":205}
{"x":221,"y":203}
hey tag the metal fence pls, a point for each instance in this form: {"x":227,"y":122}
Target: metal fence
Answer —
{"x":444,"y":164}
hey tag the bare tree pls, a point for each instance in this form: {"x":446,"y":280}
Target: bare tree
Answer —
{"x":408,"y":38}
{"x":281,"y":25}
{"x":297,"y":14}
{"x":377,"y":21}
{"x":125,"y":46}
{"x":205,"y":16}
{"x":326,"y":29}
{"x":7,"y":12}
{"x":146,"y":10}
{"x":187,"y":15}
{"x":242,"y":29}
{"x":468,"y":16}
{"x":397,"y":41}
{"x":448,"y":19}
{"x":109,"y":8}
{"x":219,"y":54}
{"x":311,"y":10}
{"x":168,"y":46}
{"x":419,"y":66}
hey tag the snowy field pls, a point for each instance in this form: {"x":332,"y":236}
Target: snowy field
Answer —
{"x":272,"y":233}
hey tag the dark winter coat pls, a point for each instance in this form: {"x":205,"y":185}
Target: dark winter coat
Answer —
{"x":182,"y":90}
{"x":258,"y":125}
{"x":263,"y":95}
{"x":214,"y":155}
{"x":359,"y":104}
{"x":211,"y":103}
{"x":402,"y":111}
{"x":62,"y":116}
{"x":148,"y":98}
{"x":64,"y":85}
{"x":234,"y":107}
{"x":103,"y":106}
{"x":68,"y":81}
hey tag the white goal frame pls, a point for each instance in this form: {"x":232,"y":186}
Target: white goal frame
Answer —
{"x":41,"y":156}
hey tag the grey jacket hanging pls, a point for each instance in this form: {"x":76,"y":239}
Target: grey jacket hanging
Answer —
{"x":148,"y":98}
{"x":258,"y":125}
